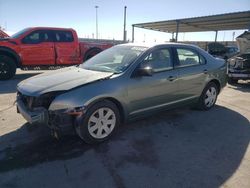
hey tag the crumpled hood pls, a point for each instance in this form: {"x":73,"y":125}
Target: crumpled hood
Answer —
{"x":59,"y":80}
{"x":243,"y":42}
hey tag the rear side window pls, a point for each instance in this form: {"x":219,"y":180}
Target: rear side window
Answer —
{"x":64,"y":36}
{"x":189,"y":57}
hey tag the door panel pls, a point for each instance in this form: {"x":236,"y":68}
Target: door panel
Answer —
{"x":192,"y":71}
{"x":191,"y":80}
{"x":37,"y":48}
{"x":153,"y":92}
{"x":38,"y":54}
{"x":67,"y":53}
{"x":67,"y":50}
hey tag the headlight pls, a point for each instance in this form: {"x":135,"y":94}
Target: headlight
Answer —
{"x":46,"y":99}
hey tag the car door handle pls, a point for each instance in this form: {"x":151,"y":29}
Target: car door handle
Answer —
{"x":172,"y":78}
{"x":205,"y":71}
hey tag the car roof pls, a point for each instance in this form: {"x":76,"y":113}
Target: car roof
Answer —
{"x":49,"y":28}
{"x":155,"y":44}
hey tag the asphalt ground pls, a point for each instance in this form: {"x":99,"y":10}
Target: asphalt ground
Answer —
{"x":176,"y":148}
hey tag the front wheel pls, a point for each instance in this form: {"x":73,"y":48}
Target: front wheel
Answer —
{"x":208,"y":97}
{"x":7,"y":67}
{"x":99,"y":123}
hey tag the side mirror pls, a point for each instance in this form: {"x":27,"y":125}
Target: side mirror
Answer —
{"x":144,"y":71}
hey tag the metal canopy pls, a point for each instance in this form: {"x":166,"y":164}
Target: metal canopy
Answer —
{"x":229,"y":21}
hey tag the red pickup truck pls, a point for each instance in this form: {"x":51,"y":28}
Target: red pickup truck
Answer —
{"x":45,"y":48}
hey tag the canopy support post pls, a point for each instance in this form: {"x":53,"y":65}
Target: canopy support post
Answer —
{"x":216,"y":33}
{"x":133,"y":33}
{"x":177,"y":30}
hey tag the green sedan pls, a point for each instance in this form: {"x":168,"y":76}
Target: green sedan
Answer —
{"x":122,"y":83}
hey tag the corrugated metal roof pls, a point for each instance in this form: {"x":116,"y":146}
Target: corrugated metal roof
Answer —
{"x":229,"y":21}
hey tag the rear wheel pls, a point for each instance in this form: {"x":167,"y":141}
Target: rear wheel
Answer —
{"x":98,"y":123}
{"x":7,"y":67}
{"x":92,"y":53}
{"x":208,"y":97}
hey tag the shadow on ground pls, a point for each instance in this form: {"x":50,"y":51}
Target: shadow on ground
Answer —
{"x":243,"y":86}
{"x":179,"y":148}
{"x":9,"y":86}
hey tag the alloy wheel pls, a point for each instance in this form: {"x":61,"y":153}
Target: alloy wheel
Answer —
{"x":210,"y":97}
{"x":3,"y":68}
{"x":101,"y":123}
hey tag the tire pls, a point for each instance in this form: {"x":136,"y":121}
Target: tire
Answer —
{"x":91,"y":53}
{"x":232,"y":80}
{"x":7,"y":67}
{"x":208,"y":97}
{"x":95,"y":129}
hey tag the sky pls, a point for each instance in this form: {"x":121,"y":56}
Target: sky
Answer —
{"x":81,"y":16}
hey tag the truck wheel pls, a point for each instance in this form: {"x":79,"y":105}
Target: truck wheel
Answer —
{"x":232,"y":80}
{"x":99,"y":122}
{"x":91,"y":53}
{"x":208,"y":97}
{"x":7,"y":67}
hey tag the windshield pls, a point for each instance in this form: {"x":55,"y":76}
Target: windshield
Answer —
{"x":19,"y":33}
{"x":115,"y":59}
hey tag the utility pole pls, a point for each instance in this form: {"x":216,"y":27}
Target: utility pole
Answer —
{"x":96,"y":21}
{"x":124,"y":28}
{"x":233,"y":35}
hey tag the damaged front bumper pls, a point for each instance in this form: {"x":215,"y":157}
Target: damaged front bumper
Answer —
{"x":37,"y":115}
{"x":57,"y":120}
{"x":239,"y":67}
{"x":239,"y":74}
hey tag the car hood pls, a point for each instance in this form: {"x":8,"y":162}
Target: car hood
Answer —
{"x":243,"y":42}
{"x":60,"y":80}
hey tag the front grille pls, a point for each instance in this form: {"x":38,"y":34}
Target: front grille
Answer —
{"x":246,"y":63}
{"x":240,"y":64}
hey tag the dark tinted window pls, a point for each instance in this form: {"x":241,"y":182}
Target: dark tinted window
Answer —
{"x":232,"y":49}
{"x":63,"y":36}
{"x":37,"y":37}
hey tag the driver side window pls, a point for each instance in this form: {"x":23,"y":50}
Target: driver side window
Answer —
{"x":36,"y":37}
{"x":159,"y":60}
